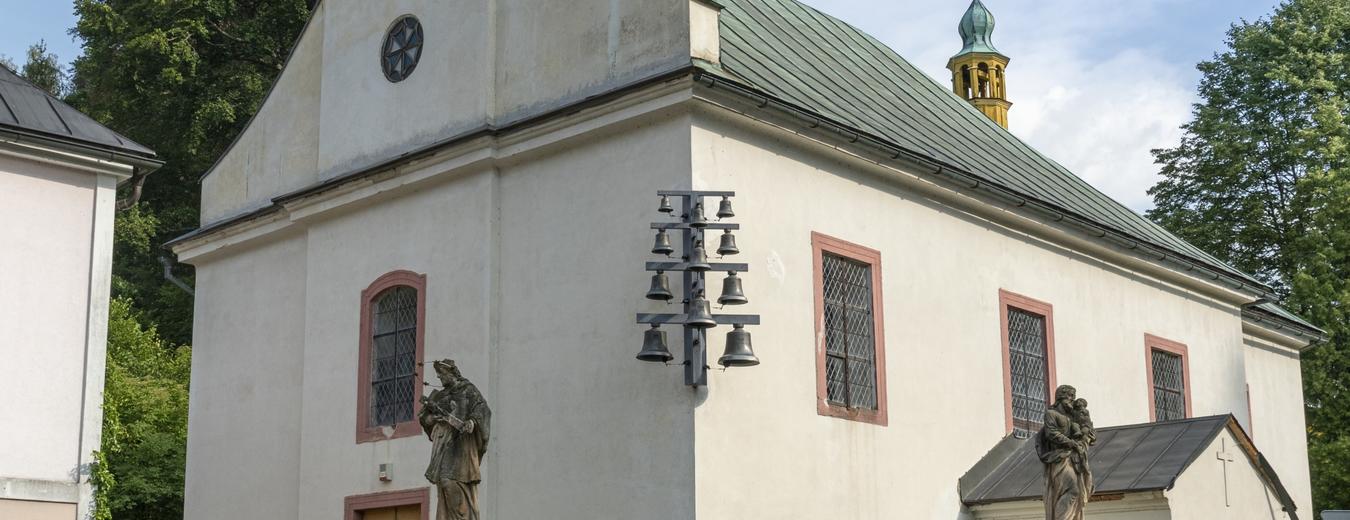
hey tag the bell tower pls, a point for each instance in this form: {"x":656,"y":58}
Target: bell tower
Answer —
{"x":978,"y":69}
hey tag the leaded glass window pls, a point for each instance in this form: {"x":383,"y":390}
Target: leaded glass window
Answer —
{"x":1169,"y":391}
{"x":393,"y":365}
{"x":850,"y":352}
{"x":1027,"y":362}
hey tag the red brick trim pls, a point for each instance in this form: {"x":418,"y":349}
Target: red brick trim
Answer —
{"x":410,"y":428}
{"x":1152,"y":343}
{"x":821,"y":244}
{"x":355,"y":505}
{"x":1006,"y":300}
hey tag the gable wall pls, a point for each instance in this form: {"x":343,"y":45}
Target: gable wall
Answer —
{"x":484,"y":63}
{"x":941,"y":275}
{"x":1200,"y":491}
{"x":533,"y":271}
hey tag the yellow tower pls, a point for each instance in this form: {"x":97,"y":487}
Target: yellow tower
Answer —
{"x":978,"y":70}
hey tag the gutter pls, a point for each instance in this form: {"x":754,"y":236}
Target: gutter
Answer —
{"x":960,"y":177}
{"x":143,"y":165}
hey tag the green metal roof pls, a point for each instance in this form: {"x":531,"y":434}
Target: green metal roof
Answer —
{"x":976,"y":28}
{"x":807,"y":58}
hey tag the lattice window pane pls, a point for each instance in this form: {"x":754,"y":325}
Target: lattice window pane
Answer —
{"x":850,"y":349}
{"x":393,"y":370}
{"x":1027,"y":362}
{"x":1169,"y":391}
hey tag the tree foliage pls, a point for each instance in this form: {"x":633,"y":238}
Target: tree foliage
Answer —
{"x":42,"y":68}
{"x":183,"y":78}
{"x":140,"y":466}
{"x":1261,"y":180}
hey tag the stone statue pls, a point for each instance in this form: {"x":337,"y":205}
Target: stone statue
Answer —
{"x":1062,"y":445}
{"x":456,"y":418}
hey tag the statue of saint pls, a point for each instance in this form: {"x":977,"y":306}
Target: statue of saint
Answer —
{"x":456,"y":418}
{"x":1062,"y":445}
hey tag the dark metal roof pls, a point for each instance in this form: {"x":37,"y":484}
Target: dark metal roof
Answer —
{"x":1273,"y":316}
{"x":29,"y":110}
{"x":809,"y":59}
{"x":1126,"y":459}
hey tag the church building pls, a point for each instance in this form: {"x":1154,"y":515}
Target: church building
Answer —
{"x":482,"y":181}
{"x":59,"y":173}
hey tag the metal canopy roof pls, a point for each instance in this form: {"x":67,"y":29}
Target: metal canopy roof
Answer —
{"x":29,"y":110}
{"x":810,"y":59}
{"x":1134,"y":458}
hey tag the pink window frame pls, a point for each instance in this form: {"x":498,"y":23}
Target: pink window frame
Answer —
{"x":355,"y":506}
{"x":821,"y":244}
{"x":1006,"y":300}
{"x":1152,"y":343}
{"x":417,"y":282}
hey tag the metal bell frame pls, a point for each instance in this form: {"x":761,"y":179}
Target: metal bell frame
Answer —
{"x":696,"y":318}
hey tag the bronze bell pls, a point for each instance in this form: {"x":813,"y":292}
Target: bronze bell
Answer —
{"x":732,"y":293}
{"x":654,"y":346}
{"x":660,"y":287}
{"x":696,"y":218}
{"x":698,"y":259}
{"x":738,"y":352}
{"x":700,"y":316}
{"x":662,"y":245}
{"x":728,"y":246}
{"x":665,"y":205}
{"x":724,"y":209}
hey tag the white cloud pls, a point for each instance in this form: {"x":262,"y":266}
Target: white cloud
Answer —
{"x":1082,"y":93}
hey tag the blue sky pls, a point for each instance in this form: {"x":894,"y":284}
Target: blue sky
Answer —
{"x":1095,"y":84}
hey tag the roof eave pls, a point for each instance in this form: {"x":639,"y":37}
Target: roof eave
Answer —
{"x":141,"y":164}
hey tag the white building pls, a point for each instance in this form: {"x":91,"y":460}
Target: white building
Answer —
{"x":59,"y":172}
{"x":494,"y":164}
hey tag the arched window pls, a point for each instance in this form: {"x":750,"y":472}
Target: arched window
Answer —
{"x":393,"y":312}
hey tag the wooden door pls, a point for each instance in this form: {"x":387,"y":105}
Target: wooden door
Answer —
{"x":411,"y":512}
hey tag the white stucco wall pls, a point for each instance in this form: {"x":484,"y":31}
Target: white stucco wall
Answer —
{"x":764,"y":452}
{"x":55,"y":272}
{"x":525,"y":289}
{"x":244,"y":410}
{"x":333,"y":112}
{"x":1209,"y":490}
{"x":44,"y":274}
{"x":1277,"y":425}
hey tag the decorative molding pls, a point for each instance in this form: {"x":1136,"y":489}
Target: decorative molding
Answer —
{"x":354,"y":505}
{"x":364,"y":432}
{"x":1152,"y":343}
{"x":821,"y":244}
{"x":1008,"y":299}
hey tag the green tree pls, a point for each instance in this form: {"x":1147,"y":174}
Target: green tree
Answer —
{"x":183,"y":78}
{"x":43,"y":69}
{"x":1260,"y":179}
{"x":140,"y":466}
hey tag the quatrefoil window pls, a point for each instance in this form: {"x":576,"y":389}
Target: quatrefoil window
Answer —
{"x":402,"y":48}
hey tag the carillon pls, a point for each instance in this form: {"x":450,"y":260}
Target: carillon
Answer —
{"x":697,"y":316}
